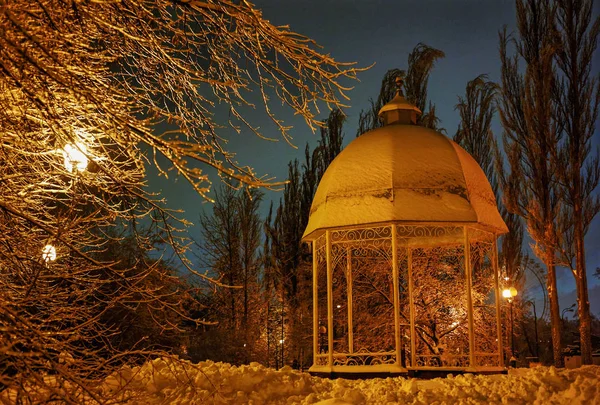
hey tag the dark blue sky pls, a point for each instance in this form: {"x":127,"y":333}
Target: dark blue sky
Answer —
{"x":384,"y":32}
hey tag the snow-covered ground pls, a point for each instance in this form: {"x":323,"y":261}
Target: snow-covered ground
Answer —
{"x":164,"y":382}
{"x":168,"y":381}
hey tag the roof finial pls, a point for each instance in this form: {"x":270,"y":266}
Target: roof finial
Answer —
{"x":399,"y":84}
{"x":399,"y":110}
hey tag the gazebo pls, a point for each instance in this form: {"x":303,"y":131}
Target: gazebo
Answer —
{"x":403,"y":229}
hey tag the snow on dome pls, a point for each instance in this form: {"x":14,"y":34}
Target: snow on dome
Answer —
{"x":403,"y":174}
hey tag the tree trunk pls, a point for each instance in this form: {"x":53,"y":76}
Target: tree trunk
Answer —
{"x":232,"y":296}
{"x":554,"y":316}
{"x":583,"y":303}
{"x":245,"y":326}
{"x":268,"y":328}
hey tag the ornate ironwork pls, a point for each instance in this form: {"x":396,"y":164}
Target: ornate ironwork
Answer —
{"x":482,"y":295}
{"x":364,"y":358}
{"x":479,"y":235}
{"x":321,"y":248}
{"x":428,"y":231}
{"x":363,"y":296}
{"x":361,"y":234}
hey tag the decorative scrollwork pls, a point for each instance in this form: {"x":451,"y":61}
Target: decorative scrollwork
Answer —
{"x":364,"y":359}
{"x":321,"y":248}
{"x":361,"y":234}
{"x":429,"y":231}
{"x":372,"y":249}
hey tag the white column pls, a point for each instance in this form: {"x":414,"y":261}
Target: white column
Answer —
{"x":469,"y":280}
{"x":315,"y":303}
{"x":396,"y":293}
{"x":349,"y":297}
{"x":411,"y":303}
{"x":497,"y":296}
{"x":329,"y":298}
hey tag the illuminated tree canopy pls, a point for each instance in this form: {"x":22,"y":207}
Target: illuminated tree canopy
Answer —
{"x":91,"y":93}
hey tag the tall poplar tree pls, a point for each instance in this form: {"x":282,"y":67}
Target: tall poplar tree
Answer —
{"x":420,"y":64}
{"x":474,"y":133}
{"x":579,"y":172}
{"x":531,"y":134}
{"x":477,"y":109}
{"x":421,"y":61}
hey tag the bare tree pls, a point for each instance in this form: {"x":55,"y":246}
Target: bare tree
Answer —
{"x":230,"y":241}
{"x":250,"y":235}
{"x":91,"y":94}
{"x":221,"y":253}
{"x":579,"y":173}
{"x":531,"y":134}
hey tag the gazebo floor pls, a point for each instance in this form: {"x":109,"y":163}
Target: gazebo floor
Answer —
{"x":428,"y":373}
{"x":423,"y":373}
{"x":357,"y":375}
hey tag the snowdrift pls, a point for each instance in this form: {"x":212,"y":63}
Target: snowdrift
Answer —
{"x":173,"y":381}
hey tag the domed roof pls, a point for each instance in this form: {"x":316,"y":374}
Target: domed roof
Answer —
{"x":405,"y":174}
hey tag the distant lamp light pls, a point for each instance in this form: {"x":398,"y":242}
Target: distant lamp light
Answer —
{"x":339,"y":306}
{"x":281,"y":341}
{"x":49,"y":253}
{"x":74,"y":157}
{"x":509,"y":293}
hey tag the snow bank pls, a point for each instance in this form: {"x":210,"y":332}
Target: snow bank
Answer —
{"x":170,"y":381}
{"x":165,"y":381}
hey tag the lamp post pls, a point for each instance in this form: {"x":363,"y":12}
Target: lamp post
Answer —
{"x":509,"y":294}
{"x":568,"y":309}
{"x":537,"y":349}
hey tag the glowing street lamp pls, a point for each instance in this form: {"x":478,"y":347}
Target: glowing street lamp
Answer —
{"x":49,"y":253}
{"x":509,"y":294}
{"x":281,"y":342}
{"x":74,"y":157}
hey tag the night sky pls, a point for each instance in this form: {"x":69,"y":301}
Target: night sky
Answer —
{"x":384,"y":32}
